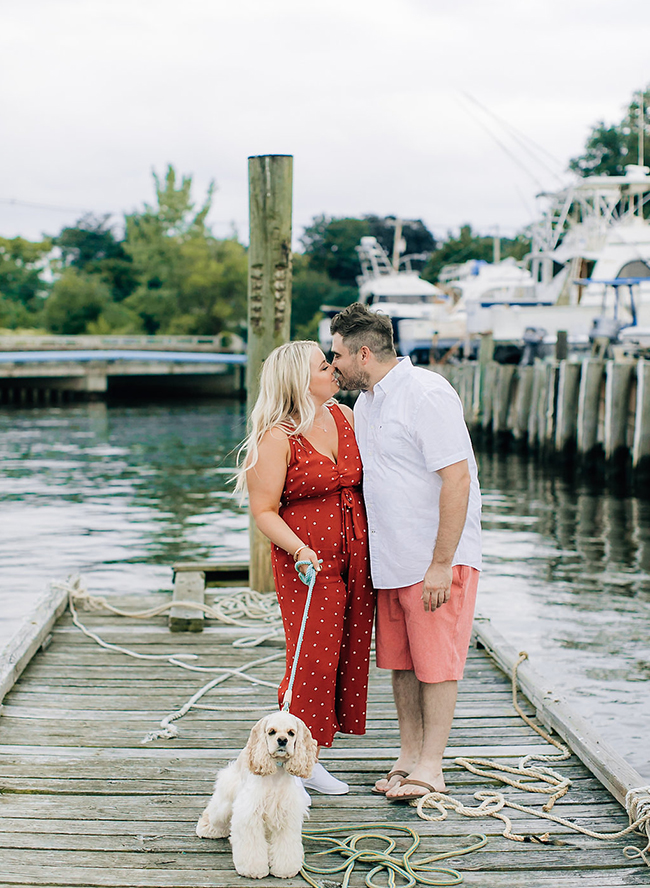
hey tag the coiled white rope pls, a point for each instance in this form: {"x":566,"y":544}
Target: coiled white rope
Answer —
{"x":244,"y":604}
{"x":637,"y":801}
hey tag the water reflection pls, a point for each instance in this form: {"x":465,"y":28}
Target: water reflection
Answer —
{"x":119,"y":493}
{"x":567,"y":577}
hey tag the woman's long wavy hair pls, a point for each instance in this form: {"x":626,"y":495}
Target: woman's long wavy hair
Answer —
{"x":283,"y":401}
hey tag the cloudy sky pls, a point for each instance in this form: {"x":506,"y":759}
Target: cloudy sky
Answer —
{"x":451,"y":111}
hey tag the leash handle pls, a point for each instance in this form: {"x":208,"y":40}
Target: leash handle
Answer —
{"x":309,"y":579}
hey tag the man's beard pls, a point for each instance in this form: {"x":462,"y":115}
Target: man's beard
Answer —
{"x":357,"y":381}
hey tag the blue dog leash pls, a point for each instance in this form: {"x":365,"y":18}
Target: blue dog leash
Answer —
{"x":309,"y":579}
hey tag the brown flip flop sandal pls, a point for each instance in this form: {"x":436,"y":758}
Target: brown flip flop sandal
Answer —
{"x":415,"y":795}
{"x":388,"y":777}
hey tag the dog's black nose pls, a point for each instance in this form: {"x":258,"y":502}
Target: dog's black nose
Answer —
{"x":282,"y":741}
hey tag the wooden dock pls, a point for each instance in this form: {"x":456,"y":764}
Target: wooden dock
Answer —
{"x":591,"y":409}
{"x":84,"y":803}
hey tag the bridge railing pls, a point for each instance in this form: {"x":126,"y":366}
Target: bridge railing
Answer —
{"x":225,"y":342}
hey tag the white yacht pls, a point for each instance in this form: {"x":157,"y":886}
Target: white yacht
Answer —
{"x":589,"y":268}
{"x":410,"y":302}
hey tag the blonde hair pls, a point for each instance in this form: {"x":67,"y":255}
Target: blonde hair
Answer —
{"x":283,"y":401}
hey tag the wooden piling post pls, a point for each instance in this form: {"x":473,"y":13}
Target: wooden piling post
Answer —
{"x":537,"y":416}
{"x":488,"y":382}
{"x":502,"y":393}
{"x":525,"y":376}
{"x":547,"y":419}
{"x":591,"y":378}
{"x":618,"y":376}
{"x":483,"y":393}
{"x":641,"y":446}
{"x":270,"y":184}
{"x":567,"y":405}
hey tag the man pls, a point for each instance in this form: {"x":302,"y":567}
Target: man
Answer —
{"x":423,"y":503}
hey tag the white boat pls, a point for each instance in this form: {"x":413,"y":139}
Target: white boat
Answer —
{"x":412,"y":304}
{"x":589,"y":268}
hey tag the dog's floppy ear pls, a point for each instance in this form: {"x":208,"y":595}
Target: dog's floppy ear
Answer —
{"x":258,"y":759}
{"x":302,"y":762}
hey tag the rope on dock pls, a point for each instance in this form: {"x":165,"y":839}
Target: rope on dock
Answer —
{"x":411,"y":871}
{"x":232,"y":610}
{"x":79,"y":595}
{"x":492,"y":802}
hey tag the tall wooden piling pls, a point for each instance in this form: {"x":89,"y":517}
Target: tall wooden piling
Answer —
{"x":618,"y":377}
{"x":568,"y":388}
{"x":641,"y":446}
{"x":270,"y":182}
{"x":594,"y":407}
{"x":523,"y":398}
{"x":591,"y":379}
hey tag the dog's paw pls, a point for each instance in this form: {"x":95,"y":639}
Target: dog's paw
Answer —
{"x":252,"y":872}
{"x":207,"y":830}
{"x":283,"y":872}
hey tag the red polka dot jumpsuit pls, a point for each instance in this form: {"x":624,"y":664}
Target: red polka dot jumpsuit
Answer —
{"x":322,"y":502}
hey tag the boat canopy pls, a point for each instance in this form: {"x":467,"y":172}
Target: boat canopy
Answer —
{"x":399,"y":286}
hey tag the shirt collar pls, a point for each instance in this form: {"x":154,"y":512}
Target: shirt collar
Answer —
{"x":392,"y":378}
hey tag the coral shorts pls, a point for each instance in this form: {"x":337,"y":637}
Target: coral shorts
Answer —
{"x":433,"y":644}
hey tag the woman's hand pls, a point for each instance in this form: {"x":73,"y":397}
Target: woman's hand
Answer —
{"x":308,"y":554}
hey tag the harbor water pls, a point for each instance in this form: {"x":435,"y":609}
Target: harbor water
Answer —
{"x":119,"y":492}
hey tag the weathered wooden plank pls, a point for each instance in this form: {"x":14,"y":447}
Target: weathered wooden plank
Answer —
{"x":613,"y":771}
{"x":30,"y":637}
{"x":124,"y":803}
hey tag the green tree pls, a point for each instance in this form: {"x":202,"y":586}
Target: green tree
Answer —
{"x":22,"y":288}
{"x":416,"y":236}
{"x":76,"y":301}
{"x":90,"y":246}
{"x":330,"y":243}
{"x":609,"y":148}
{"x":456,"y":250}
{"x":310,"y":290}
{"x":189,"y":282}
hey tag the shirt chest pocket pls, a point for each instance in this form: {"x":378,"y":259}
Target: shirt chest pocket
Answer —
{"x":393,"y":439}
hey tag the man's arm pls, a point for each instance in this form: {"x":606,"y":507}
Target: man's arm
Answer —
{"x":454,"y":497}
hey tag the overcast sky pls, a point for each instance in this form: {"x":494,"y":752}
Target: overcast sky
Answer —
{"x":376,"y":100}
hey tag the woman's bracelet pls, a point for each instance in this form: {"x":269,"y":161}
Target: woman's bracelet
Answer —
{"x":298,"y":550}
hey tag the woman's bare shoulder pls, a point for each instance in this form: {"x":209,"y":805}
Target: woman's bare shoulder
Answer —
{"x":347,"y":413}
{"x":274,"y":441}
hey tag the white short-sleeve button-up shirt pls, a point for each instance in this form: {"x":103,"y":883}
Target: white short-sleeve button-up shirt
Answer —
{"x":410,"y":426}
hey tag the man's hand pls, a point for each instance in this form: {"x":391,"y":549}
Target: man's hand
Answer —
{"x":436,"y":589}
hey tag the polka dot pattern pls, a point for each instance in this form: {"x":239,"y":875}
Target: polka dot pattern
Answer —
{"x":322,"y":502}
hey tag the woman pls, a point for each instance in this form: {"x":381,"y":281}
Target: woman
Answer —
{"x":303,"y":473}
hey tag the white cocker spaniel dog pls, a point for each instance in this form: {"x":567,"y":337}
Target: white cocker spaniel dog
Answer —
{"x":259,"y":801}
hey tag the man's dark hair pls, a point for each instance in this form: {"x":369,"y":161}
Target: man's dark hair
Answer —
{"x":359,"y":326}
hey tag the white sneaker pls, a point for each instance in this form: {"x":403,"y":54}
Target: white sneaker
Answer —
{"x":307,"y":796}
{"x":322,"y":781}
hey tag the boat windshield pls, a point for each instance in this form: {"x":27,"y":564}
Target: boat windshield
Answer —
{"x":404,"y":298}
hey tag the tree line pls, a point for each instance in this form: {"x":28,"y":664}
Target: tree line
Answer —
{"x":166,"y":273}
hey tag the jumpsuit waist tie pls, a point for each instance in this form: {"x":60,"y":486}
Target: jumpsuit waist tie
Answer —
{"x":352,"y":523}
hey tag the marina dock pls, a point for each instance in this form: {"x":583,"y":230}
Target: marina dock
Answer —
{"x":85,"y":802}
{"x":591,"y":409}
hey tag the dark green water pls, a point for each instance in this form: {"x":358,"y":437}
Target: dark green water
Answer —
{"x":118,"y":493}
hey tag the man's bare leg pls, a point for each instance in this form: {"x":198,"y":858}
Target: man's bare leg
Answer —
{"x":437,"y":702}
{"x":406,"y":691}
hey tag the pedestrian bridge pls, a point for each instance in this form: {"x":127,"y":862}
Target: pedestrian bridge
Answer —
{"x":45,"y":368}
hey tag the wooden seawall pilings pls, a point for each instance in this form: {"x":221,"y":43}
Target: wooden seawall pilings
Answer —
{"x":596,"y":409}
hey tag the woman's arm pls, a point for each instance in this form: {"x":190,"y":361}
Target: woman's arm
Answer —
{"x":265,"y":483}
